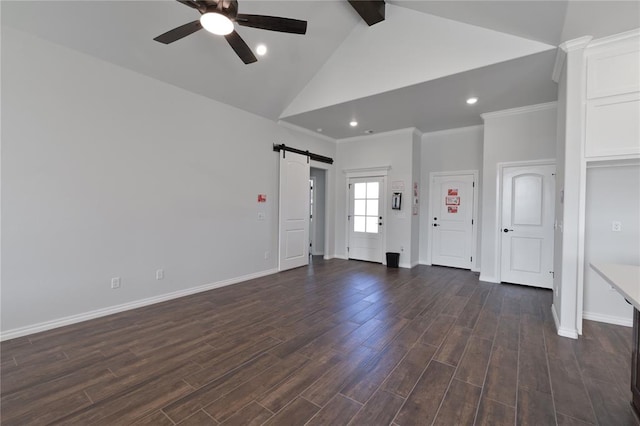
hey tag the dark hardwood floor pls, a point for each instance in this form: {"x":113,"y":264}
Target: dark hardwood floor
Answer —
{"x":340,"y":342}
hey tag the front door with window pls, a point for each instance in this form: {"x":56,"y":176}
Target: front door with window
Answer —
{"x":365,"y":219}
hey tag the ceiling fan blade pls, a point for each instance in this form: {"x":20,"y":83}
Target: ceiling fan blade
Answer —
{"x":272,"y":23}
{"x":179,"y":32}
{"x":240,"y":47}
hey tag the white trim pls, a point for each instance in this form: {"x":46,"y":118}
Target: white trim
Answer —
{"x":615,"y":38}
{"x":576,"y":43}
{"x":450,"y":131}
{"x":609,"y":319}
{"x":564,"y":332}
{"x":622,"y":162}
{"x":521,"y":110}
{"x":305,"y":131}
{"x":488,"y":279}
{"x":367,"y":172}
{"x":407,"y":130}
{"x":74,"y":319}
{"x":474,"y":236}
{"x":405,"y":265}
{"x":561,"y":55}
{"x":339,"y":256}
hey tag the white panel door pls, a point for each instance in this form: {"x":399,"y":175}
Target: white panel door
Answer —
{"x":451,"y":225}
{"x":293,"y":245}
{"x":527,"y":225}
{"x":366,"y":197}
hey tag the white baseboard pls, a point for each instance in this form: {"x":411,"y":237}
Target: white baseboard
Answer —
{"x":340,"y":256}
{"x":562,"y":331}
{"x":488,"y":279}
{"x":74,"y":319}
{"x":424,"y":262}
{"x":609,"y":319}
{"x":405,"y":265}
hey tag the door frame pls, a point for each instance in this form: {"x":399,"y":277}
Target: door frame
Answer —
{"x":327,"y":207}
{"x":475,"y":265}
{"x":370,"y":172}
{"x":312,"y":215}
{"x":498,"y":231}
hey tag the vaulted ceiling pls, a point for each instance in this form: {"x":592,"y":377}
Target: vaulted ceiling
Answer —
{"x":414,"y":69}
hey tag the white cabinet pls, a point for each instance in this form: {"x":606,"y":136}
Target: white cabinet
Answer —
{"x":613,"y":99}
{"x":613,"y":126}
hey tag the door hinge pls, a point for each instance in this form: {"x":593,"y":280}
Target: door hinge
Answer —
{"x":471,"y":259}
{"x":473,"y":185}
{"x":472,"y":221}
{"x":349,"y":186}
{"x":347,"y":249}
{"x":348,"y":217}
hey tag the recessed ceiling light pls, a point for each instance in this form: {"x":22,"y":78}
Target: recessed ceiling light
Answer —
{"x":319,"y":129}
{"x":472,"y":101}
{"x":261,"y":49}
{"x":216,"y":23}
{"x":353,"y":123}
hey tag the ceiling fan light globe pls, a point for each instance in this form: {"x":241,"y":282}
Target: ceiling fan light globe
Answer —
{"x":216,"y":23}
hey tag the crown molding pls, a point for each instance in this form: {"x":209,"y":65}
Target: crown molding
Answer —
{"x":305,"y":131}
{"x":408,"y":130}
{"x":616,"y":38}
{"x":451,"y":131}
{"x":575,"y":44}
{"x":521,"y":110}
{"x":561,"y":55}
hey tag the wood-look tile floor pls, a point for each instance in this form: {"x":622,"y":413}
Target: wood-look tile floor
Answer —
{"x":336,"y":343}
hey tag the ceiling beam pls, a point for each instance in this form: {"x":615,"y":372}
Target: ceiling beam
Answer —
{"x":372,"y":11}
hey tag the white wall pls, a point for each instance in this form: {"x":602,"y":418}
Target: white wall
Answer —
{"x":521,"y":134}
{"x":612,"y":195}
{"x":447,"y":151}
{"x":392,"y":149}
{"x":108,"y":173}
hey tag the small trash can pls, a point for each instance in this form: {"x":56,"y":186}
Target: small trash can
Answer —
{"x":393,"y":259}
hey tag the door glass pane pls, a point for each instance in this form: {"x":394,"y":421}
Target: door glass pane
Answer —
{"x":372,"y":207}
{"x":372,"y":190}
{"x":372,"y":224}
{"x":358,"y":224}
{"x":359,"y":207}
{"x":360,"y":190}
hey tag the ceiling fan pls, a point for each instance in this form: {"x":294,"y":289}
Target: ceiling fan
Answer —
{"x":218,"y":17}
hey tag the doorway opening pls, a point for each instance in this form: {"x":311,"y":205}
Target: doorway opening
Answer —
{"x":317,"y":211}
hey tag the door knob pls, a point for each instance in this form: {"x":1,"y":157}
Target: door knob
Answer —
{"x":435,"y":224}
{"x":507,"y":230}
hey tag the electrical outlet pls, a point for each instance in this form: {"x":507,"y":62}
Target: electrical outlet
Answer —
{"x":115,"y":282}
{"x":260,"y":216}
{"x":616,"y":226}
{"x":160,"y":274}
{"x":401,"y":248}
{"x":267,"y":255}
